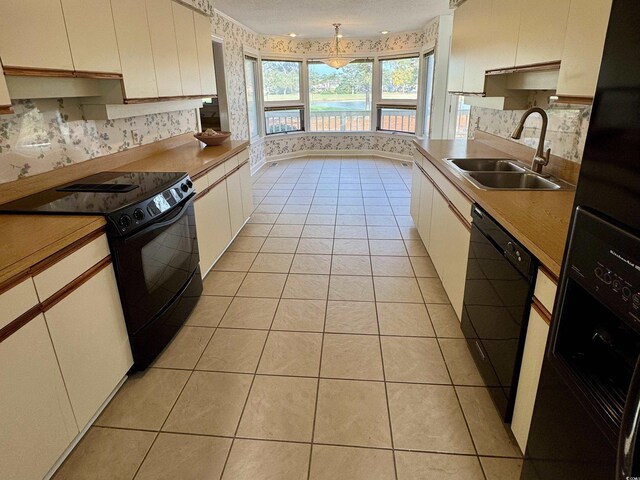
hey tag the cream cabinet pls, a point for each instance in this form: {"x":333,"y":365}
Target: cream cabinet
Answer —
{"x":532,"y":357}
{"x":502,"y":39}
{"x":234,"y":194}
{"x":213,"y":225}
{"x":416,"y":183}
{"x":583,"y":47}
{"x":36,"y":416}
{"x":187,"y":49}
{"x":90,"y":339}
{"x":33,"y":35}
{"x":543,"y":25}
{"x":165,"y":48}
{"x":17,"y":301}
{"x":205,"y":54}
{"x":92,"y":35}
{"x":247,"y":191}
{"x":426,"y":209}
{"x":476,"y":45}
{"x":5,"y":99}
{"x":462,"y":24}
{"x":134,"y":44}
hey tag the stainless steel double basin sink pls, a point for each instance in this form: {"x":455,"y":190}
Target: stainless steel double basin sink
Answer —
{"x":504,"y":174}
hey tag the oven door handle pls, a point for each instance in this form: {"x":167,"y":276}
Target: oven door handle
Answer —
{"x":174,"y":216}
{"x":627,"y":448}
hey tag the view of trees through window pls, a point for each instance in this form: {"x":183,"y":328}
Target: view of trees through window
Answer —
{"x":281,"y":81}
{"x":399,"y":85}
{"x":340,"y":100}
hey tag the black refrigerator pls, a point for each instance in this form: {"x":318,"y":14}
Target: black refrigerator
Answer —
{"x":587,"y":411}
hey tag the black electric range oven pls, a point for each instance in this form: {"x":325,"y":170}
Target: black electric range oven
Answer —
{"x":151,"y":230}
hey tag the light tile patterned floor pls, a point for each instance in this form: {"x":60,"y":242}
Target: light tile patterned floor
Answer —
{"x":324,"y":347}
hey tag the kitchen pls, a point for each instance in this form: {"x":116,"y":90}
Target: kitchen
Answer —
{"x":411,"y":251}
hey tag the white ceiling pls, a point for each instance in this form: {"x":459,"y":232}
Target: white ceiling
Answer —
{"x":313,"y":18}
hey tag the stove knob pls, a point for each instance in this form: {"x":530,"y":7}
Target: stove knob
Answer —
{"x":189,"y":183}
{"x":606,"y":278}
{"x":184,"y":187}
{"x":138,"y":214}
{"x":125,"y":220}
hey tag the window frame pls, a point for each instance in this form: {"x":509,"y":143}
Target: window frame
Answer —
{"x":251,"y":57}
{"x":399,"y":104}
{"x":273,"y":106}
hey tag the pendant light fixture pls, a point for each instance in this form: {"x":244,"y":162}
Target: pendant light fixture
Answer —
{"x":336,"y":58}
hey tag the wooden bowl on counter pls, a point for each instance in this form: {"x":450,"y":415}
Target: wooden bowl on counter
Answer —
{"x":212,"y":140}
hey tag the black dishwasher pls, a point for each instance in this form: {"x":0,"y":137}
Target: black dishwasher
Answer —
{"x":499,"y":285}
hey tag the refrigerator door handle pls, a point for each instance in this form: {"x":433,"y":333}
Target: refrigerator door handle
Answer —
{"x":629,"y":430}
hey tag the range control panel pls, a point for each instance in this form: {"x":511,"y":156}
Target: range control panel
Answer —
{"x":130,"y":219}
{"x":606,"y":260}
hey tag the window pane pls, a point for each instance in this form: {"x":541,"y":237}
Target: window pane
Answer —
{"x":397,"y":119}
{"x":281,"y":81}
{"x":400,"y":79}
{"x":462,"y":118}
{"x":252,"y":98}
{"x":280,"y":121}
{"x":428,"y":94}
{"x":340,"y":100}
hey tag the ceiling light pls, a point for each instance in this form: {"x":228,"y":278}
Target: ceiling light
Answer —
{"x":293,"y":35}
{"x":336,"y":59}
{"x":384,"y":32}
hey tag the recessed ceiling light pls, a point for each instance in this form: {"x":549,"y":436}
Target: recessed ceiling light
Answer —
{"x":339,"y":35}
{"x":293,"y":35}
{"x":384,"y":32}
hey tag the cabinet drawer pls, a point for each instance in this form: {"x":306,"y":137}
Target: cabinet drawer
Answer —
{"x":232,"y":163}
{"x":545,"y":290}
{"x":201,"y":184}
{"x":216,"y":174}
{"x":418,"y":157}
{"x":17,"y":301}
{"x":457,"y":198}
{"x":71,"y":267}
{"x":243,"y":156}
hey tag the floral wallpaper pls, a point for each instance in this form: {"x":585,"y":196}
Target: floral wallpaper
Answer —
{"x":46,"y":134}
{"x":566,"y":131}
{"x":205,"y":6}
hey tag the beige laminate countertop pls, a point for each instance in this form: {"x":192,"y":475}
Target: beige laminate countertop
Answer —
{"x":537,"y":219}
{"x":26,"y":240}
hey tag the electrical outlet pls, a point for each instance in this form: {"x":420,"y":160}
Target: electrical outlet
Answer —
{"x":135,"y":137}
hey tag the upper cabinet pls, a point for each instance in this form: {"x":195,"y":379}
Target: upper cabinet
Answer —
{"x":5,"y":100}
{"x":543,"y":25}
{"x":165,"y":48}
{"x":33,"y":35}
{"x":92,"y":35}
{"x":187,"y":49}
{"x":506,"y":34}
{"x":586,"y":31}
{"x":205,"y":54}
{"x":134,"y":43}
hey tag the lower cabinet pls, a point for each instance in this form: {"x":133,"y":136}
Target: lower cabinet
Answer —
{"x":90,"y":340}
{"x":234,"y":194}
{"x":212,"y":225}
{"x":36,"y":416}
{"x":416,"y":182}
{"x":247,"y":190}
{"x":426,"y":209}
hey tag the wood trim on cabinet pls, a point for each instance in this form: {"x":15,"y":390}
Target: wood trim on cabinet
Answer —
{"x":20,"y":322}
{"x":37,"y":72}
{"x":65,"y":252}
{"x":167,"y":99}
{"x":455,"y":211}
{"x":552,"y":276}
{"x":220,"y":180}
{"x":74,"y":284}
{"x":99,"y":75}
{"x":532,"y":67}
{"x":6,"y":109}
{"x":542,"y":311}
{"x":575,"y":99}
{"x":13,"y":281}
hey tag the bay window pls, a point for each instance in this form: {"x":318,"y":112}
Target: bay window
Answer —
{"x":398,"y":94}
{"x":251,"y":81}
{"x":340,"y":99}
{"x":283,"y":103}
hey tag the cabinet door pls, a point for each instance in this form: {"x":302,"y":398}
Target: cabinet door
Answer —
{"x":165,"y":50}
{"x":234,"y":193}
{"x":90,"y":339}
{"x":5,"y":99}
{"x":456,"y":253}
{"x":532,"y":357}
{"x":438,"y":241}
{"x":134,"y":45}
{"x":33,"y":35}
{"x":92,"y":35}
{"x":543,"y":24}
{"x":476,"y":45}
{"x":187,"y":49}
{"x":36,"y":416}
{"x":426,"y":207}
{"x":247,"y":191}
{"x":416,"y":181}
{"x":461,"y":25}
{"x":205,"y":54}
{"x":583,"y":46}
{"x":502,"y":40}
{"x":212,"y":225}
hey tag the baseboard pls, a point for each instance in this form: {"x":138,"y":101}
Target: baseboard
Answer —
{"x":342,"y":153}
{"x":255,"y":169}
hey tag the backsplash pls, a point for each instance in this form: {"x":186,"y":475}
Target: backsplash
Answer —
{"x":566,"y":132}
{"x":47,"y":134}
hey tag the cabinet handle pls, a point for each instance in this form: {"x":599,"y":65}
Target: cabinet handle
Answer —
{"x":484,"y":357}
